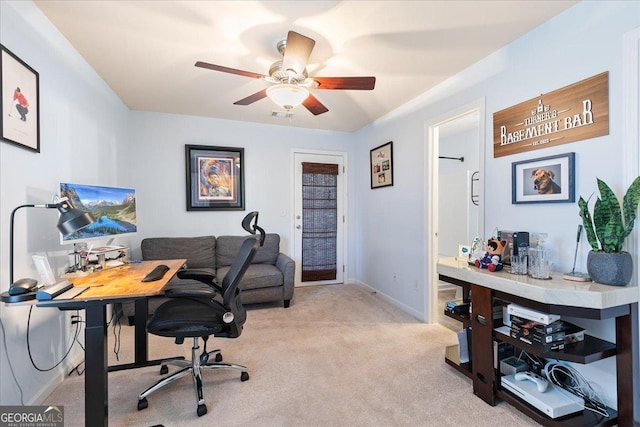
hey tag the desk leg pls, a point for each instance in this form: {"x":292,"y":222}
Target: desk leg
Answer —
{"x":96,"y":403}
{"x":141,"y":337}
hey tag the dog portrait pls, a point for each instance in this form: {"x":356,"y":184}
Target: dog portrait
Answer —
{"x":543,"y":182}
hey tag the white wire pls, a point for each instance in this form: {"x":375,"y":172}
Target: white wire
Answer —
{"x":578,"y":385}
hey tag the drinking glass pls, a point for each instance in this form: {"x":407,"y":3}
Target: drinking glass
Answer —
{"x":539,"y":263}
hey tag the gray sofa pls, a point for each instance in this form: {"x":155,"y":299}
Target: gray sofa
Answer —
{"x":269,"y":277}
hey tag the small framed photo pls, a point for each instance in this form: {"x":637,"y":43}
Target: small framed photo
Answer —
{"x":381,"y":161}
{"x":20,"y":103}
{"x":544,"y":180}
{"x":215,"y":178}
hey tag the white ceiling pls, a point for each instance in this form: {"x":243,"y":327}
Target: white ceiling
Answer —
{"x":146,"y":50}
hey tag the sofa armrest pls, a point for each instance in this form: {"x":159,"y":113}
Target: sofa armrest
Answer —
{"x":286,"y":265}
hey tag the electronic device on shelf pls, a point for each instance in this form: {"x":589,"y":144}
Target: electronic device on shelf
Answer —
{"x":554,"y":402}
{"x":114,"y":209}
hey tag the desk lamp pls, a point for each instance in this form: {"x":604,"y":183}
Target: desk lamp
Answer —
{"x":71,"y":220}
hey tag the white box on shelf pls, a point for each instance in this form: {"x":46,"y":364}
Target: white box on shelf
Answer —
{"x":527,"y":313}
{"x":554,"y":402}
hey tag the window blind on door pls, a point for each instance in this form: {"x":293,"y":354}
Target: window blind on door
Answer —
{"x":319,"y":221}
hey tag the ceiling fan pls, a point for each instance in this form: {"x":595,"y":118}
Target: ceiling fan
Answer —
{"x":289,"y":78}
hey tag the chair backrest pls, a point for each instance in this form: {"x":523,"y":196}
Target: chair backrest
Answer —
{"x":230,"y":291}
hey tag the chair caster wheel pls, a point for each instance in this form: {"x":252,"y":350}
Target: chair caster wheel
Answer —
{"x":219,"y":357}
{"x":202,"y":409}
{"x":244,"y":376}
{"x":142,"y":404}
{"x":164,"y":369}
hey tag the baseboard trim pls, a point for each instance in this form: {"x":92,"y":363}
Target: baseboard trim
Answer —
{"x":418,"y":315}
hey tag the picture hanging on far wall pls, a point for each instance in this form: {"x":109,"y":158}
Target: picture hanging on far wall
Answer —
{"x":544,"y":180}
{"x":381,"y":161}
{"x":20,"y":102}
{"x":215,"y":178}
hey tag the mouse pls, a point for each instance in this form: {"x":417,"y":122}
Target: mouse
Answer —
{"x":22,"y":286}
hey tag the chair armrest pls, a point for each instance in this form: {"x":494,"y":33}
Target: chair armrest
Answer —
{"x":203,"y":276}
{"x":191,"y":291}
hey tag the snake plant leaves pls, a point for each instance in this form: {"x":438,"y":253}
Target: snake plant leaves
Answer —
{"x":588,"y":223}
{"x":605,"y":229}
{"x":630,"y":206}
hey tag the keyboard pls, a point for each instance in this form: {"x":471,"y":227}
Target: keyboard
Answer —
{"x":49,"y":292}
{"x":156,"y":274}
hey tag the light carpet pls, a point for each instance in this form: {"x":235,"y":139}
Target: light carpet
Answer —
{"x":339,"y":356}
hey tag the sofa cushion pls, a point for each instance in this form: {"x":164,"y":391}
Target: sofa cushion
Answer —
{"x":227,"y":247}
{"x":257,"y":276}
{"x":200,"y":252}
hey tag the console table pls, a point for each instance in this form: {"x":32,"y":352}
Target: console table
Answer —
{"x":557,"y":296}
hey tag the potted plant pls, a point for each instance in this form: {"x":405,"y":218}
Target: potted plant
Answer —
{"x":606,"y":231}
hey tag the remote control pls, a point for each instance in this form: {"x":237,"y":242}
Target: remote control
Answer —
{"x":540,"y":382}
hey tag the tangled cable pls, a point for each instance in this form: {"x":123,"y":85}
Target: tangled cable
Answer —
{"x":571,"y":380}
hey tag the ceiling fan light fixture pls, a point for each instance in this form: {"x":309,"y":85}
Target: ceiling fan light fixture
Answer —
{"x":287,"y":96}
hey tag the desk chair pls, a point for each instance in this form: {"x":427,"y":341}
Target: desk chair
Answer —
{"x":199,"y":312}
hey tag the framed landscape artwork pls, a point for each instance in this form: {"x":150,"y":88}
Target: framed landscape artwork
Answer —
{"x":215,"y":178}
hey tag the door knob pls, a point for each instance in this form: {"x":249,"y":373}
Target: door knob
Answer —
{"x":298,"y":226}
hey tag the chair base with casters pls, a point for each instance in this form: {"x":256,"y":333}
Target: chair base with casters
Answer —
{"x":193,"y":367}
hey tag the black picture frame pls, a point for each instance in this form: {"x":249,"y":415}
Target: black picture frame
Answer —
{"x":215,"y":178}
{"x":19,"y":102}
{"x":548,"y":179}
{"x":381,"y":165}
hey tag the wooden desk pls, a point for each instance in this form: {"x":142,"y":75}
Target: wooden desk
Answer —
{"x":106,"y":287}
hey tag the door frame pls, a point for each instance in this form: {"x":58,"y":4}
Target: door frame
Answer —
{"x":343,"y":201}
{"x":431,"y":197}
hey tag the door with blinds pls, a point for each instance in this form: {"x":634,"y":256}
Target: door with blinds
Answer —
{"x":319,"y":218}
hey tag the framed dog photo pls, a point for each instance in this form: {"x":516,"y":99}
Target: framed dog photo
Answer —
{"x":544,"y":180}
{"x":20,"y":102}
{"x":381,"y":162}
{"x":215,"y":178}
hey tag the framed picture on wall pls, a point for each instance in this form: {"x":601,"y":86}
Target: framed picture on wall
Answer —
{"x":381,"y":165}
{"x":215,"y":178}
{"x":544,"y":180}
{"x":20,"y":103}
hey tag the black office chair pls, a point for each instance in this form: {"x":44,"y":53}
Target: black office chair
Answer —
{"x":199,"y":312}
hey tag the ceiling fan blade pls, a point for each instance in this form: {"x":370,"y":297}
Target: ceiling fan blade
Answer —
{"x":228,"y":70}
{"x":316,"y":107}
{"x":297,"y":52}
{"x":346,"y":83}
{"x":252,"y":98}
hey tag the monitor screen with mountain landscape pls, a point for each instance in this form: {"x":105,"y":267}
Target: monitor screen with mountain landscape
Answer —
{"x":114,"y":209}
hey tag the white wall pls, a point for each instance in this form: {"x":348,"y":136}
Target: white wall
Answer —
{"x":82,"y":133}
{"x":457,"y":216}
{"x":582,"y":42}
{"x":157,"y":171}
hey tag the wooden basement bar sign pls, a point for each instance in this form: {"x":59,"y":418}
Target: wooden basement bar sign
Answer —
{"x":572,"y":113}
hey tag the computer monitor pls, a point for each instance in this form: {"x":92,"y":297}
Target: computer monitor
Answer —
{"x":114,"y":209}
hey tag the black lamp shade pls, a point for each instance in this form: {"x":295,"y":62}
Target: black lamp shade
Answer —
{"x":72,"y":219}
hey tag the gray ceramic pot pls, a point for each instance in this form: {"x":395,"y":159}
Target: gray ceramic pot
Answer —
{"x":610,"y":268}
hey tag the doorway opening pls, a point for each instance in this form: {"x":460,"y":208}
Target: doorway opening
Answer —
{"x":454,"y":195}
{"x":319,"y":218}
